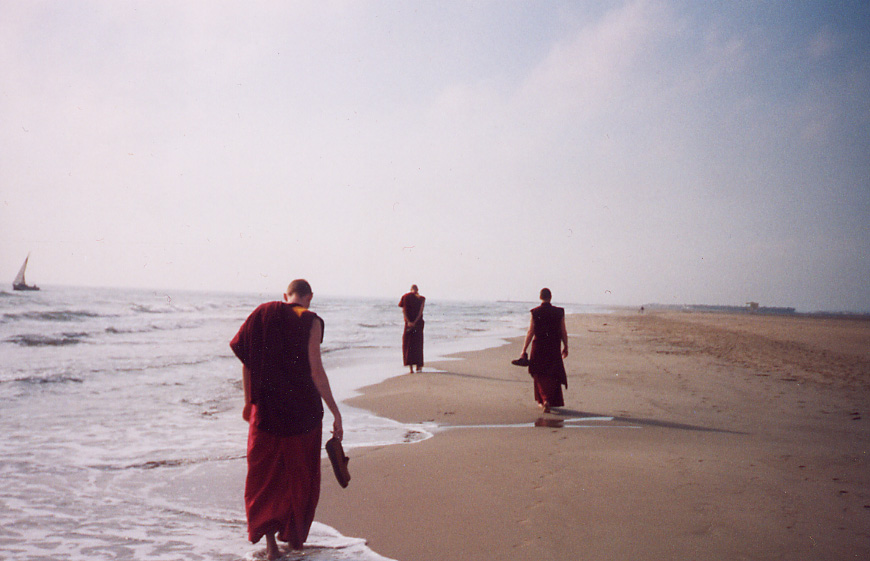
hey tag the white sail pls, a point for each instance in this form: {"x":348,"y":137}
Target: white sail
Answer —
{"x":19,"y":278}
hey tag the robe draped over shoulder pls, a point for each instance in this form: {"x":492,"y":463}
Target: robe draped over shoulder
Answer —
{"x":273,"y":344}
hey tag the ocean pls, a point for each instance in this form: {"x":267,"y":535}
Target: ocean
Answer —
{"x":120,"y":415}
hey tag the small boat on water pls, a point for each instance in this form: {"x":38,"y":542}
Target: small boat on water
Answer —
{"x":19,"y":283}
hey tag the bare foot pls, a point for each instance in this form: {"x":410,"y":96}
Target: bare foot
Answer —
{"x":272,"y":551}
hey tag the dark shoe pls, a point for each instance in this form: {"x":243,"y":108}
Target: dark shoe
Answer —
{"x":339,"y":461}
{"x":522,"y":361}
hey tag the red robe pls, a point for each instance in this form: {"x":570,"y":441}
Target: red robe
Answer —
{"x":283,"y":484}
{"x":412,"y":337}
{"x":282,"y":487}
{"x":545,"y":360}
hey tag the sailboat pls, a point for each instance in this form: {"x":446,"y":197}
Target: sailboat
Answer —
{"x":19,"y":282}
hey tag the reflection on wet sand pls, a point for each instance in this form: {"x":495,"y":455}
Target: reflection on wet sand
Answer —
{"x":551,"y":422}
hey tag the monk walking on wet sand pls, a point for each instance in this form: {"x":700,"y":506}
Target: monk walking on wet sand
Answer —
{"x":284,"y":381}
{"x":546,"y":332}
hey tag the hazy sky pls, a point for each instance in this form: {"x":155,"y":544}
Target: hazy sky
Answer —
{"x":617,"y":152}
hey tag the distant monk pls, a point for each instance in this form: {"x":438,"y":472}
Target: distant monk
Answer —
{"x":412,"y":338}
{"x":546,"y":331}
{"x":284,"y":381}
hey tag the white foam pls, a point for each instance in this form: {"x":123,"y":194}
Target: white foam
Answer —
{"x":324,"y":544}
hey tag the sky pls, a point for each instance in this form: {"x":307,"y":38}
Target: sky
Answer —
{"x":617,"y":152}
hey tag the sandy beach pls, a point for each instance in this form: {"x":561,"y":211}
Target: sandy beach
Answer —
{"x":684,"y":436}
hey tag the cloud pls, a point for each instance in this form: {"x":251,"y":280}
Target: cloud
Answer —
{"x":581,"y":74}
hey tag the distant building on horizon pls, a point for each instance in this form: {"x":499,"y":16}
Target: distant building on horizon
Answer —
{"x":750,"y":307}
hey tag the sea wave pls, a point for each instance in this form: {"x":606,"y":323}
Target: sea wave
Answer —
{"x":39,"y":340}
{"x":153,"y":364}
{"x":52,"y":315}
{"x":379,"y":325}
{"x":326,"y":349}
{"x":148,"y":309}
{"x":166,"y":463}
{"x":51,"y":379}
{"x":112,"y":330}
{"x":147,"y":328}
{"x":172,"y":326}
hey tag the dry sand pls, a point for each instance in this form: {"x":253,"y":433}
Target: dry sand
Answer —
{"x":734,"y":437}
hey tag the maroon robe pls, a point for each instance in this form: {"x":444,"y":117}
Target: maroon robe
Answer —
{"x":545,"y":360}
{"x":282,"y":487}
{"x":412,"y":337}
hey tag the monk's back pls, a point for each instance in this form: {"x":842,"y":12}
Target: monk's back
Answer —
{"x":273,"y":344}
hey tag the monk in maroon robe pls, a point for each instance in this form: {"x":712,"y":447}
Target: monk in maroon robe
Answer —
{"x":547,"y":333}
{"x":412,"y":337}
{"x":284,"y":381}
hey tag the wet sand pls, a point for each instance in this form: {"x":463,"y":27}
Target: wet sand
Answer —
{"x":733,"y":437}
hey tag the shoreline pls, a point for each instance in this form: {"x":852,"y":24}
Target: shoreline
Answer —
{"x":748,"y":439}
